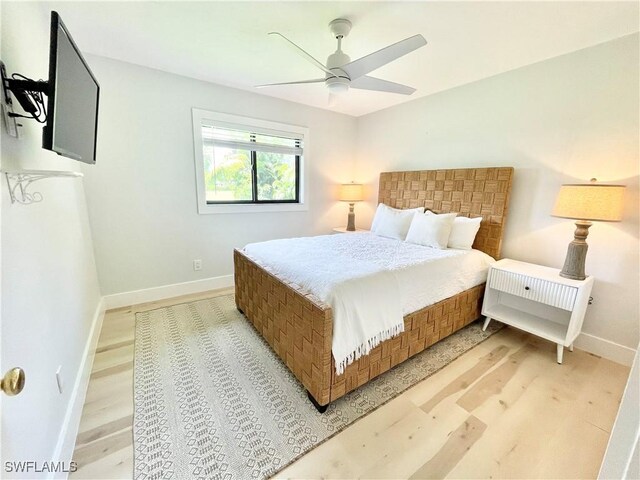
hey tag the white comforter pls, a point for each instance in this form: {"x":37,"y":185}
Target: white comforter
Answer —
{"x":370,"y":282}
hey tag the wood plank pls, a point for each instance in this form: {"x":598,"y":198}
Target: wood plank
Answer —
{"x":105,"y":372}
{"x":100,"y":413}
{"x":117,"y":465}
{"x":467,"y":378}
{"x":112,"y":346}
{"x":582,"y":462}
{"x":344,"y":455}
{"x":599,"y":401}
{"x":494,"y":382}
{"x":416,"y":436}
{"x":104,"y":430}
{"x":103,"y":447}
{"x":113,"y":357}
{"x":459,"y":442}
{"x":424,"y":391}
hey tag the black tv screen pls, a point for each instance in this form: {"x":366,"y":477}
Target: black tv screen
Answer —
{"x":72,"y":117}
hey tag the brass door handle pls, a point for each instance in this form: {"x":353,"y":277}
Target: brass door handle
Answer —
{"x":13,"y":381}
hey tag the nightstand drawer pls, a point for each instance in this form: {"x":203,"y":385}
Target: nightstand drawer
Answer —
{"x":535,"y":289}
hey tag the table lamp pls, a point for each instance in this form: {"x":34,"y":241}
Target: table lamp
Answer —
{"x":586,"y":202}
{"x":351,"y":192}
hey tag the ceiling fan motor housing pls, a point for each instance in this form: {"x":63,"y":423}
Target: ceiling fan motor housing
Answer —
{"x":337,"y":60}
{"x":339,"y":83}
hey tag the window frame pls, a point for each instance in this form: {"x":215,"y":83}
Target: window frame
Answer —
{"x":268,"y":127}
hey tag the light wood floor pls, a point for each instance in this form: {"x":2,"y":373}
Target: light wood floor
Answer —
{"x":505,"y":409}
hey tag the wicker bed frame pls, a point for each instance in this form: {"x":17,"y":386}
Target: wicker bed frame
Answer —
{"x":299,"y":327}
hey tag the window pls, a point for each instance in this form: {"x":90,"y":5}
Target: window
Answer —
{"x":244,"y":164}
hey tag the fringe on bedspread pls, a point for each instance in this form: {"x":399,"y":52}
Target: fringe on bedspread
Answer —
{"x":365,"y":348}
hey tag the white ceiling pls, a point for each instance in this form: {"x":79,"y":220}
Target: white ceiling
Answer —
{"x":227,"y":42}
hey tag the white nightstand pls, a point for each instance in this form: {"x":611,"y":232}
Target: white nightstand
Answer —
{"x":537,"y":300}
{"x":344,"y":230}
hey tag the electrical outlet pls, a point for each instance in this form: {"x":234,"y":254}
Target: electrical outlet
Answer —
{"x":197,"y":265}
{"x":59,"y":378}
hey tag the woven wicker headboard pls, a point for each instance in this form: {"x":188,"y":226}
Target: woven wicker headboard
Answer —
{"x":471,"y":192}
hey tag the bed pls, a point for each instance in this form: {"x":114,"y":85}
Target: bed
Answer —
{"x":299,"y":326}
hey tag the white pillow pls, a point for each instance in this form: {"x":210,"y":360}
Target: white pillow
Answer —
{"x":431,"y":230}
{"x":463,"y":232}
{"x":377,"y":216}
{"x":394,"y":223}
{"x":382,"y":208}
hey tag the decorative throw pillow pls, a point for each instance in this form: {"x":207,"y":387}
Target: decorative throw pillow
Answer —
{"x":394,"y":223}
{"x":385,"y":208}
{"x":431,"y":230}
{"x":463,"y":232}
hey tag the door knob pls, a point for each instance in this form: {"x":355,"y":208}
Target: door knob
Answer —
{"x":13,"y":381}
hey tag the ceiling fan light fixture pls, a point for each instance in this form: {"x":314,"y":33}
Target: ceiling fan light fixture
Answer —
{"x":337,"y":84}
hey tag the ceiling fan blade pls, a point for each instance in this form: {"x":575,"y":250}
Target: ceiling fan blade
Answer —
{"x":375,"y":60}
{"x":371,"y":83}
{"x":305,"y":55}
{"x":333,"y":100}
{"x":315,"y":80}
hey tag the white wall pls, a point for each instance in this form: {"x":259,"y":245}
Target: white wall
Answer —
{"x":142,"y":192}
{"x":50,"y":288}
{"x":563,"y":120}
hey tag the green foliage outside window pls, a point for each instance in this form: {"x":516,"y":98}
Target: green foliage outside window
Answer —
{"x":228,"y":175}
{"x":276,"y":176}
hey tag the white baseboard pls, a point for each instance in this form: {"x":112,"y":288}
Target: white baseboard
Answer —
{"x":167,"y":291}
{"x":605,"y":348}
{"x":71,"y":424}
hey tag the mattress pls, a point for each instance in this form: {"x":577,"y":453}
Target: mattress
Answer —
{"x":370,"y":282}
{"x":424,"y":275}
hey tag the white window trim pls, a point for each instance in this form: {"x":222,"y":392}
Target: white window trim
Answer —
{"x":303,"y":176}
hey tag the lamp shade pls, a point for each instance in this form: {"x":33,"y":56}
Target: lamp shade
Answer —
{"x":351,"y":192}
{"x":590,"y":202}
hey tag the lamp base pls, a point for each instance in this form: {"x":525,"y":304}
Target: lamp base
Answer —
{"x":577,"y":253}
{"x":351,"y":219}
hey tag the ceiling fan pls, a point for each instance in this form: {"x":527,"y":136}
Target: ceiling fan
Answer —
{"x":342,"y":73}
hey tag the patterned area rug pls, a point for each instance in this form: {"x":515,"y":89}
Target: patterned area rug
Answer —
{"x":213,"y":401}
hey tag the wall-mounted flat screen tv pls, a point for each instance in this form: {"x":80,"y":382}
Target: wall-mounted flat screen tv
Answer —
{"x":73,"y":93}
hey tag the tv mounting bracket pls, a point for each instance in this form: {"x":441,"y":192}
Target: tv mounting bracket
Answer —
{"x":19,"y":88}
{"x":19,"y":182}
